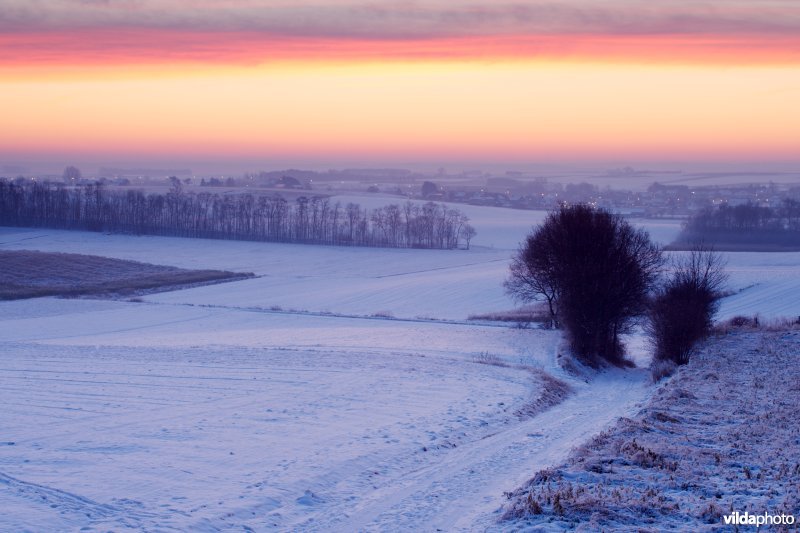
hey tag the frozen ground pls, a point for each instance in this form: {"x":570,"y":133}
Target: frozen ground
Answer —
{"x":148,"y":415}
{"x":252,"y":404}
{"x":767,"y":284}
{"x":721,"y":435}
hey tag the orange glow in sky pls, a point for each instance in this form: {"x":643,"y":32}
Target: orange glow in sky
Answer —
{"x":512,"y":97}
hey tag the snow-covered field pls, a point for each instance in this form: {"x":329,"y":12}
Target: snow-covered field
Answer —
{"x":291,"y":401}
{"x":443,"y":284}
{"x":178,"y":417}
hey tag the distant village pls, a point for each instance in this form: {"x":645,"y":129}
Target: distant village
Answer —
{"x":657,"y":201}
{"x":669,"y":194}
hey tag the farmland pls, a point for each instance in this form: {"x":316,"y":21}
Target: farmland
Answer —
{"x":341,"y":388}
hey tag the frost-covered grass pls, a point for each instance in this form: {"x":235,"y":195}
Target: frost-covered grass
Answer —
{"x":756,"y":323}
{"x":32,"y":274}
{"x":721,"y":435}
{"x":551,"y":391}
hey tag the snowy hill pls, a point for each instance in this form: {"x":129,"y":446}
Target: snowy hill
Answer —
{"x":294,"y":400}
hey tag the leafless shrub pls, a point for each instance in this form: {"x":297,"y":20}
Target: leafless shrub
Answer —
{"x":662,"y":368}
{"x":486,"y":358}
{"x":526,"y":315}
{"x":681,"y":313}
{"x":744,"y":322}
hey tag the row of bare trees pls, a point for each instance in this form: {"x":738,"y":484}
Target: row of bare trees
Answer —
{"x":308,"y":219}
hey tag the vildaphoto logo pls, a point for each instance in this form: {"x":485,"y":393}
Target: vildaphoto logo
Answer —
{"x":747,"y":519}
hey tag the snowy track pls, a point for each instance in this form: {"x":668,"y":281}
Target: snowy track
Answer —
{"x":463,"y":491}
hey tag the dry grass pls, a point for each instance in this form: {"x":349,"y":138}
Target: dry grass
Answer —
{"x":662,"y":368}
{"x":722,"y":246}
{"x":534,"y":314}
{"x":755,"y":323}
{"x":30,"y":274}
{"x":552,"y":391}
{"x":486,"y":358}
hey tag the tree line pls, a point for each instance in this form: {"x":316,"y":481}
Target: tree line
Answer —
{"x":272,"y":218}
{"x":748,"y":223}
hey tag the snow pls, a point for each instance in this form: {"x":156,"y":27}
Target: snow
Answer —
{"x":293,"y":400}
{"x":767,"y":284}
{"x":206,"y":438}
{"x":162,"y":416}
{"x":364,"y":281}
{"x":459,"y":492}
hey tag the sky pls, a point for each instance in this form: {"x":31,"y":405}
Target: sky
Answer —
{"x":388,"y":82}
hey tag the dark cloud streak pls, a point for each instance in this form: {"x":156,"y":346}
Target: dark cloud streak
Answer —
{"x":409,"y":20}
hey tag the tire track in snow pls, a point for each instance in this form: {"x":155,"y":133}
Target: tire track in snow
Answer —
{"x":125,"y":515}
{"x":61,"y":499}
{"x":463,"y":490}
{"x":451,"y":267}
{"x":329,"y":315}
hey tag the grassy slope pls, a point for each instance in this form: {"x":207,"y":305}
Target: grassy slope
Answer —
{"x":720,"y":435}
{"x":30,"y":274}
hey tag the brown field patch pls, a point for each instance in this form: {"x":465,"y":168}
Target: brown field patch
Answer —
{"x":31,"y":274}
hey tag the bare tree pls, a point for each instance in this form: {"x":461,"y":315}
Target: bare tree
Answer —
{"x":532,"y":275}
{"x":683,"y":309}
{"x":594,"y":270}
{"x":176,"y":186}
{"x":71,"y":175}
{"x":429,"y":188}
{"x":468,"y":233}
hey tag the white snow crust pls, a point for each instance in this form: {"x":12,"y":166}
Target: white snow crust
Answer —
{"x":342,"y":389}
